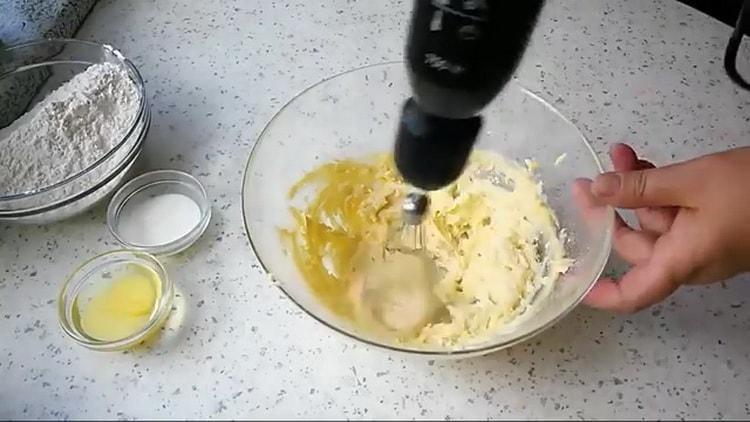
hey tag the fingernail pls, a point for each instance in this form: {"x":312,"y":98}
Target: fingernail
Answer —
{"x":606,"y":184}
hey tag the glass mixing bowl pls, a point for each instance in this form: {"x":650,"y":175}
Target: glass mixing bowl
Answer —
{"x":354,"y":114}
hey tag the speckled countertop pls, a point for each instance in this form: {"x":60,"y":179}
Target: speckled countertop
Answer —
{"x":645,"y":72}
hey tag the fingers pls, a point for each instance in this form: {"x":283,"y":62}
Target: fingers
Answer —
{"x":633,"y":246}
{"x":656,"y":220}
{"x":645,"y":284}
{"x":658,"y":269}
{"x":641,"y":188}
{"x":658,"y":187}
{"x":640,"y":288}
{"x":623,"y":157}
{"x":586,"y":203}
{"x":653,"y":219}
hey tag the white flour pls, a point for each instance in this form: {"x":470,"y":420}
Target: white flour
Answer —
{"x":69,"y":130}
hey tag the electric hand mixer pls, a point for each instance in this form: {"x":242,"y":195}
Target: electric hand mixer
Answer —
{"x":460,"y":54}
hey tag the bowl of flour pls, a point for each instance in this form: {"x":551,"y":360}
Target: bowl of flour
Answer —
{"x":73,"y":119}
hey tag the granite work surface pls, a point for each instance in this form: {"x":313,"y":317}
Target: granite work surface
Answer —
{"x":26,"y":20}
{"x":645,"y":72}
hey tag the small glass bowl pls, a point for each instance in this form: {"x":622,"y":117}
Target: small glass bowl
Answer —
{"x":90,"y":275}
{"x":153,"y":183}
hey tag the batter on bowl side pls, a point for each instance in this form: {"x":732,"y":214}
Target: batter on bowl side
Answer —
{"x":491,"y":243}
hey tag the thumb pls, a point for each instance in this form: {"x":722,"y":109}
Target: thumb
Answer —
{"x":655,"y":187}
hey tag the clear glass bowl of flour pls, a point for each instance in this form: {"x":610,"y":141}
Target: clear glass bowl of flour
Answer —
{"x":355,"y":114}
{"x":29,"y":73}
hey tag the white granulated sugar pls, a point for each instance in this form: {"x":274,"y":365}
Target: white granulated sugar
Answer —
{"x":157,"y":220}
{"x":69,"y":130}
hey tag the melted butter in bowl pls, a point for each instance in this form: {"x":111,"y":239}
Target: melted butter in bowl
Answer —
{"x":491,"y":245}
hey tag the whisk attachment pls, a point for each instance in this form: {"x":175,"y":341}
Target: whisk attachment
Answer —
{"x":415,"y":207}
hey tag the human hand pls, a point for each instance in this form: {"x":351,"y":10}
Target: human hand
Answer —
{"x":694,"y":222}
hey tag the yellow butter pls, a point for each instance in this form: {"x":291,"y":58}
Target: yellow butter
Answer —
{"x":491,"y":234}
